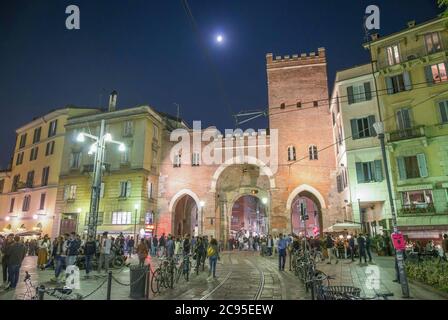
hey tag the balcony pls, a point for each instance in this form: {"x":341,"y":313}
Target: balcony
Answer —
{"x":421,"y":208}
{"x":405,"y":134}
{"x":89,"y":167}
{"x":410,"y":54}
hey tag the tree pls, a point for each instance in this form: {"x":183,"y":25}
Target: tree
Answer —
{"x":443,"y":3}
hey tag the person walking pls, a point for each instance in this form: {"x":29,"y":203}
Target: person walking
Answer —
{"x":213,"y":257}
{"x":73,"y":246}
{"x":89,"y":252}
{"x":6,"y":243}
{"x":42,"y":252}
{"x":282,"y":245}
{"x":142,"y":252}
{"x":362,"y":248}
{"x":368,"y":247}
{"x":270,"y":245}
{"x":58,"y":258}
{"x":131,"y":244}
{"x":15,"y":254}
{"x":177,"y":248}
{"x":162,"y":243}
{"x":351,"y":245}
{"x":200,"y":253}
{"x":155,"y":245}
{"x":330,"y":249}
{"x":105,"y":248}
{"x":170,"y":246}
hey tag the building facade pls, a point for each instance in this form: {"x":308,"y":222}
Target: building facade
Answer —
{"x":28,"y":200}
{"x":411,"y":71}
{"x":360,"y":179}
{"x":130,"y":177}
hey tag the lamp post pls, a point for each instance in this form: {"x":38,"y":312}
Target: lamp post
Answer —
{"x":202,"y":204}
{"x":98,"y":147}
{"x":379,"y":128}
{"x":135,"y":222}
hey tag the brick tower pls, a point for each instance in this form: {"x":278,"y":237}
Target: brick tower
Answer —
{"x":299,"y":110}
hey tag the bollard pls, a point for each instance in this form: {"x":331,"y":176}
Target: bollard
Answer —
{"x":109,"y":285}
{"x":41,"y":292}
{"x":148,"y":282}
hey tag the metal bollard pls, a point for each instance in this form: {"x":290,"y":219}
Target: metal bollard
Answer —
{"x":109,"y":285}
{"x":41,"y":292}
{"x":148,"y":282}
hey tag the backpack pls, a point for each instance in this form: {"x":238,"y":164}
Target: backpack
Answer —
{"x":211,"y":251}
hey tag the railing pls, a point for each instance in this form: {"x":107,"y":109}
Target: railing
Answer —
{"x":405,"y":134}
{"x":408,"y":54}
{"x":417,"y":208}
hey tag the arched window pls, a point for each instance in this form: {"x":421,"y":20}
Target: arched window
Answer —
{"x":313,"y":152}
{"x":291,"y":153}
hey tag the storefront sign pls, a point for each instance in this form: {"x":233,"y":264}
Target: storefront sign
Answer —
{"x":415,"y":187}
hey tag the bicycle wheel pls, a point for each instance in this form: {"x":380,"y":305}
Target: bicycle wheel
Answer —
{"x":186,"y":270}
{"x":155,"y":281}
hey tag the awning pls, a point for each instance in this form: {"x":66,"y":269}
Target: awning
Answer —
{"x":345,"y":226}
{"x":28,"y":233}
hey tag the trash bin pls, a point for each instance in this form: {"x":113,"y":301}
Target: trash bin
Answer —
{"x":138,"y":281}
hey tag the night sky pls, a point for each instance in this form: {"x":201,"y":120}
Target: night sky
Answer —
{"x":151,"y":54}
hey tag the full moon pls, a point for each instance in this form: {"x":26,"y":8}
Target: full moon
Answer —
{"x":219,"y":38}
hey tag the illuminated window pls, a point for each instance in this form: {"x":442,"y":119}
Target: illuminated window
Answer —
{"x":128,"y":128}
{"x":70,"y":192}
{"x":121,"y":218}
{"x":26,"y":203}
{"x":393,"y":54}
{"x":125,"y":189}
{"x":432,"y":42}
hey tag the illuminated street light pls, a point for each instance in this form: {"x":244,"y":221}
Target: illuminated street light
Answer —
{"x":7,"y":218}
{"x":35,"y":216}
{"x":264,"y":200}
{"x":122,"y":147}
{"x":80,"y":137}
{"x":108,"y":137}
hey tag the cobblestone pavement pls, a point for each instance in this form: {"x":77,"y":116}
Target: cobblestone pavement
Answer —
{"x":240,"y":276}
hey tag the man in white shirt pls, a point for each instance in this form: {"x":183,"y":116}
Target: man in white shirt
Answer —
{"x":105,"y":247}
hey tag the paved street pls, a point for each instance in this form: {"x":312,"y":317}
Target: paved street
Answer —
{"x":241,"y":275}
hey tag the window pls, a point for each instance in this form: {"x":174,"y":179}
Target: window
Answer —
{"x":432,"y":42}
{"x":121,"y":218}
{"x":315,"y":103}
{"x":42,"y":201}
{"x":334,"y":118}
{"x":52,"y":128}
{"x":393,"y":54}
{"x":26,"y":203}
{"x":50,"y":148}
{"x":15,"y":183}
{"x":70,"y":192}
{"x":363,"y":127}
{"x":299,"y":104}
{"x":150,"y":190}
{"x":30,"y":179}
{"x":417,"y":199}
{"x":443,"y":107}
{"x":155,"y":132}
{"x":371,"y":171}
{"x":398,"y":83}
{"x":36,"y":136}
{"x":312,"y":150}
{"x":22,"y":141}
{"x":177,"y":160}
{"x":2,"y":185}
{"x":283,"y":106}
{"x":75,"y":160}
{"x":45,"y":175}
{"x":436,"y":73}
{"x":291,"y":153}
{"x":358,"y":93}
{"x":11,"y":205}
{"x":19,"y":159}
{"x":128,"y":128}
{"x":125,"y":189}
{"x":125,"y":155}
{"x":339,"y":183}
{"x":412,"y":167}
{"x":33,"y":154}
{"x":195,"y":159}
{"x":403,"y":119}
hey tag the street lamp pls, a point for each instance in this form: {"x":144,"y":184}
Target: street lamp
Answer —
{"x":136,"y":206}
{"x":202,"y":204}
{"x":379,"y":129}
{"x":97,"y":148}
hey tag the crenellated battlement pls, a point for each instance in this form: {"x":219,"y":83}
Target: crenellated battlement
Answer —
{"x":295,"y":59}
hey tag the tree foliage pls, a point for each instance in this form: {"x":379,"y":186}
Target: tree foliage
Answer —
{"x":443,"y":4}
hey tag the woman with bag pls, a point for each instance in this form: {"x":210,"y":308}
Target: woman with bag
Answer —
{"x":213,"y":257}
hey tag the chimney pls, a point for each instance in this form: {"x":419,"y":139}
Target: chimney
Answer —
{"x":113,"y":101}
{"x":374,"y":36}
{"x":411,"y":24}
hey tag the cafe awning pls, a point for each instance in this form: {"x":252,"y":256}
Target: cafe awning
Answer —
{"x":343,"y":226}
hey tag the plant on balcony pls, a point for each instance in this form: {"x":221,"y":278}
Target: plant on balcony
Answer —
{"x":416,"y":209}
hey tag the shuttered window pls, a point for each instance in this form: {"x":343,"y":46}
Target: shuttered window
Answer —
{"x":443,"y":108}
{"x":412,"y":167}
{"x":363,"y":127}
{"x":399,"y":83}
{"x":371,"y":171}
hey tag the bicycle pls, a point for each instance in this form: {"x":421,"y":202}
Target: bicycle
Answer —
{"x":163,"y":276}
{"x":184,"y":268}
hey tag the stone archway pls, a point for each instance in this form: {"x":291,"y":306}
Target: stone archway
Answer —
{"x":185,"y":213}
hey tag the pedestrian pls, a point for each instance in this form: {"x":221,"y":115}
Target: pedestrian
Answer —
{"x":105,"y":249}
{"x":15,"y":254}
{"x":368,"y":246}
{"x":177,"y":248}
{"x":142,"y":252}
{"x":186,"y":245}
{"x":170,"y":246}
{"x":445,"y":247}
{"x":351,"y":244}
{"x":131,"y":243}
{"x":162,"y":243}
{"x":282,"y":245}
{"x":331,"y":249}
{"x":362,"y":248}
{"x":270,"y":245}
{"x":89,"y":252}
{"x":155,"y":245}
{"x":73,"y":245}
{"x":6,"y":243}
{"x":213,"y":257}
{"x":58,"y":257}
{"x":42,"y":252}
